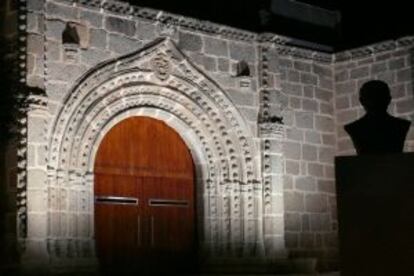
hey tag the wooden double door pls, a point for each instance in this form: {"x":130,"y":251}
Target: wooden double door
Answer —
{"x":144,"y":200}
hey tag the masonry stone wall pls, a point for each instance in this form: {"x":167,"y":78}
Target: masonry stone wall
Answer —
{"x":391,"y":63}
{"x":294,"y":198}
{"x":305,"y":102}
{"x":67,"y":42}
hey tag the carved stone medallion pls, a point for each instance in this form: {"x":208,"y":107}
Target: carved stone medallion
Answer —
{"x":161,"y":66}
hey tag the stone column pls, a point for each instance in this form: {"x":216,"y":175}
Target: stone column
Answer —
{"x":271,"y":133}
{"x":33,"y":188}
{"x":274,"y":228}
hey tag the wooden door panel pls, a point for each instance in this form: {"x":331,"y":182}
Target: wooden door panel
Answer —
{"x":144,"y":146}
{"x":171,"y":209}
{"x":116,"y":219}
{"x":116,"y":185}
{"x":144,"y":190}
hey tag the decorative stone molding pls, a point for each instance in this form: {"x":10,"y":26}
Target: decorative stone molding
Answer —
{"x":377,"y":48}
{"x":303,"y":53}
{"x":272,"y":130}
{"x":22,"y":93}
{"x":158,"y":81}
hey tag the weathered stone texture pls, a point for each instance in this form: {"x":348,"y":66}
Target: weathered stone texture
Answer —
{"x":120,"y":25}
{"x":294,"y":201}
{"x":190,"y":42}
{"x":92,"y":18}
{"x":61,"y":11}
{"x":146,"y":31}
{"x":35,"y":5}
{"x":70,"y":71}
{"x":98,"y":38}
{"x":122,"y":45}
{"x":239,"y":51}
{"x":54,"y":29}
{"x":217,"y":47}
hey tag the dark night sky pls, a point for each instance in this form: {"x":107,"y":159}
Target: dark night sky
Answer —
{"x":363,"y":21}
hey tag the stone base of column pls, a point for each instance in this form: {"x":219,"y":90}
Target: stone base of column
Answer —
{"x":35,"y":258}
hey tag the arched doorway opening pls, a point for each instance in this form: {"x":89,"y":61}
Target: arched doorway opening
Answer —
{"x":144,"y":199}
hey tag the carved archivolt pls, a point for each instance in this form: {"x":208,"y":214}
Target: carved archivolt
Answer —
{"x":158,"y":81}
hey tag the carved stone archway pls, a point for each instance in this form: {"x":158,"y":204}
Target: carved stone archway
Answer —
{"x":157,"y":81}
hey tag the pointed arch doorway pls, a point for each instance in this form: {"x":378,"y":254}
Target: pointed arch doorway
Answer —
{"x":144,"y":199}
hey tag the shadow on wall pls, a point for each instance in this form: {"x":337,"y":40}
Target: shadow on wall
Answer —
{"x":411,"y":64}
{"x":8,"y":249}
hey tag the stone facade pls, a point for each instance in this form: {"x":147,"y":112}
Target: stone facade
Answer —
{"x":263,"y":142}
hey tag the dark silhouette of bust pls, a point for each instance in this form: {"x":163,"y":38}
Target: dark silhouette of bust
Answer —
{"x":377,"y":132}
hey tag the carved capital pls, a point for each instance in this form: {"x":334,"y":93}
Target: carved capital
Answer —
{"x":271,"y":130}
{"x":36,"y":100}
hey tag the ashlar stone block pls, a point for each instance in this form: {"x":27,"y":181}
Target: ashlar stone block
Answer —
{"x":316,"y":203}
{"x":304,"y":120}
{"x":217,"y":47}
{"x":146,"y":30}
{"x":35,"y":44}
{"x":294,"y":201}
{"x":274,"y":225}
{"x":309,"y":152}
{"x":36,"y":129}
{"x":244,"y":52}
{"x":292,"y":150}
{"x":92,"y":18}
{"x":98,"y":38}
{"x":35,"y":5}
{"x":120,"y":25}
{"x":305,"y":183}
{"x":190,"y":42}
{"x":62,"y":11}
{"x":293,"y":221}
{"x":307,"y":78}
{"x":37,"y":225}
{"x":37,"y":201}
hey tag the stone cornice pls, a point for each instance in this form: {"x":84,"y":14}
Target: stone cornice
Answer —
{"x":366,"y":51}
{"x":285,"y":45}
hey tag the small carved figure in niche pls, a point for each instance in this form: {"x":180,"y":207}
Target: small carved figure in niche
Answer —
{"x":377,"y":131}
